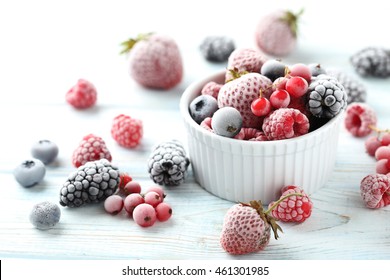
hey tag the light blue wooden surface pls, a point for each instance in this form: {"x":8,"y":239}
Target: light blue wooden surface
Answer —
{"x":45,"y":50}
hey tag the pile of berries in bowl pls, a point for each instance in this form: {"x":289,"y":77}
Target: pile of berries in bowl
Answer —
{"x":261,"y":125}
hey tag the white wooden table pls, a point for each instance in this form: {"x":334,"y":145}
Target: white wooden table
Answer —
{"x":42,"y":54}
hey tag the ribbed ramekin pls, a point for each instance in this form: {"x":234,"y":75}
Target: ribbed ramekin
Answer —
{"x":239,"y":170}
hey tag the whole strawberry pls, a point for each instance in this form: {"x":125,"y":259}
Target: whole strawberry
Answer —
{"x":127,"y":131}
{"x":276,"y":32}
{"x":82,"y":95}
{"x":91,"y":148}
{"x":155,"y":61}
{"x":240,"y":93}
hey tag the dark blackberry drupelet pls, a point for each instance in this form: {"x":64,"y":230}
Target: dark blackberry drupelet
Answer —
{"x":92,"y":182}
{"x":168,"y":163}
{"x":217,"y":48}
{"x":326,"y":96}
{"x":372,"y":61}
{"x":356,"y":90}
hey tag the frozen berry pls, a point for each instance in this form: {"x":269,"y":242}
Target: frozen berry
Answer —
{"x":273,"y":69}
{"x":280,"y":83}
{"x":113,"y":204}
{"x":385,"y":139}
{"x":382,"y":153}
{"x":300,"y":70}
{"x":375,"y":190}
{"x":82,"y":95}
{"x":45,"y":150}
{"x":30,"y":172}
{"x":132,"y":187}
{"x":296,"y":86}
{"x":285,"y":123}
{"x":211,"y":88}
{"x":90,"y":148}
{"x":153,"y":198}
{"x":163,"y":212}
{"x":202,"y":107}
{"x":316,"y":69}
{"x":372,"y":61}
{"x":127,"y":131}
{"x":227,"y":121}
{"x":45,"y":215}
{"x":261,"y":107}
{"x":382,"y":166}
{"x":158,"y":190}
{"x":131,"y":201}
{"x":359,"y":119}
{"x":217,"y":48}
{"x":144,"y":215}
{"x":372,"y":144}
{"x":280,"y":99}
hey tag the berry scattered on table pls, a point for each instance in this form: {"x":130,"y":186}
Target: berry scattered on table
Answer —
{"x":163,"y":212}
{"x":29,"y":172}
{"x":131,"y":201}
{"x":375,"y":190}
{"x":155,"y":60}
{"x":227,"y":122}
{"x":372,"y":61}
{"x":113,"y":204}
{"x":217,"y":48}
{"x":127,"y":131}
{"x":359,"y":119}
{"x":158,"y":190}
{"x":132,"y":187}
{"x":203,"y":106}
{"x":372,"y":144}
{"x":144,"y":215}
{"x":153,"y":198}
{"x":45,"y":215}
{"x":168,"y":163}
{"x":44,"y":150}
{"x":90,"y":183}
{"x":276,"y":32}
{"x":82,"y":95}
{"x":211,"y":88}
{"x":90,"y":148}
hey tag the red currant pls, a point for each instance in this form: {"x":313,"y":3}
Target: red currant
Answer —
{"x":163,"y":212}
{"x":301,"y":70}
{"x":153,"y":198}
{"x":385,"y":139}
{"x":280,"y":83}
{"x":280,"y":99}
{"x":261,"y":107}
{"x":132,"y":187}
{"x":297,"y":86}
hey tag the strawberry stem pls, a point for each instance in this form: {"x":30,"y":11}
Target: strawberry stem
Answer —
{"x":129,"y":44}
{"x":236,"y":74}
{"x":292,"y":20}
{"x":280,"y":200}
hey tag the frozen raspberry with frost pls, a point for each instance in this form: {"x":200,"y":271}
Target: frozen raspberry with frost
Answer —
{"x":91,"y":148}
{"x":82,"y":95}
{"x":360,"y":119}
{"x":375,"y":190}
{"x":211,"y":88}
{"x":285,"y":123}
{"x":253,"y":134}
{"x":293,"y":209}
{"x":127,"y":131}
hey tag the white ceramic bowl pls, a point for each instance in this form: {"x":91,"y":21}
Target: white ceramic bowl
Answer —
{"x":239,"y":170}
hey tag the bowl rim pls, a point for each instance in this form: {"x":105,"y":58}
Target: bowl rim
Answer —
{"x":186,"y":99}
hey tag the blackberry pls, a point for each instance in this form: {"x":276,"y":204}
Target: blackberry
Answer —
{"x":217,"y":48}
{"x":168,"y":163}
{"x":92,"y":182}
{"x":326,"y":96}
{"x":356,"y":91}
{"x":372,"y":61}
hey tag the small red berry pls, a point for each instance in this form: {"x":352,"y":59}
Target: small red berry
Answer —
{"x":385,"y":139}
{"x":113,"y":204}
{"x":360,"y":119}
{"x":163,"y":212}
{"x":144,"y":215}
{"x":280,"y":83}
{"x":132,"y":187}
{"x":153,"y":198}
{"x":158,"y":190}
{"x":91,"y":148}
{"x":375,"y":190}
{"x":82,"y":95}
{"x":261,"y":107}
{"x":301,"y":70}
{"x":132,"y":201}
{"x":372,"y":144}
{"x":127,"y":131}
{"x":280,"y":99}
{"x":297,"y":86}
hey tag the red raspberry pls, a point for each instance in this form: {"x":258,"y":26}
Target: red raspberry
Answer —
{"x":211,"y":88}
{"x":82,"y":95}
{"x":375,"y":190}
{"x":360,"y":119}
{"x":127,"y":131}
{"x":253,"y":134}
{"x":285,"y":123}
{"x":91,"y":148}
{"x":293,"y":209}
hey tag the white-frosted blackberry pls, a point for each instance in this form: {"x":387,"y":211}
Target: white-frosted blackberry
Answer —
{"x":92,"y":182}
{"x":217,"y":48}
{"x":326,"y":96}
{"x":356,"y":90}
{"x":372,"y":61}
{"x":168,"y":163}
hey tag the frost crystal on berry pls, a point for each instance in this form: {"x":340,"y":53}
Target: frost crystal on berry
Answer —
{"x":375,"y":190}
{"x":372,"y":61}
{"x":168,"y":163}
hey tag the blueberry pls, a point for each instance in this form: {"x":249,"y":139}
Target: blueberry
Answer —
{"x":273,"y":69}
{"x":45,"y":215}
{"x":202,"y":107}
{"x":316,"y":69}
{"x":217,"y":48}
{"x":45,"y":150}
{"x":30,"y":172}
{"x":227,"y":122}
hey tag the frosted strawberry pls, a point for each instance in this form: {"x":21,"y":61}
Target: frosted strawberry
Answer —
{"x":244,"y":60}
{"x":276,"y":32}
{"x":91,"y":148}
{"x":155,"y":61}
{"x":241,"y":92}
